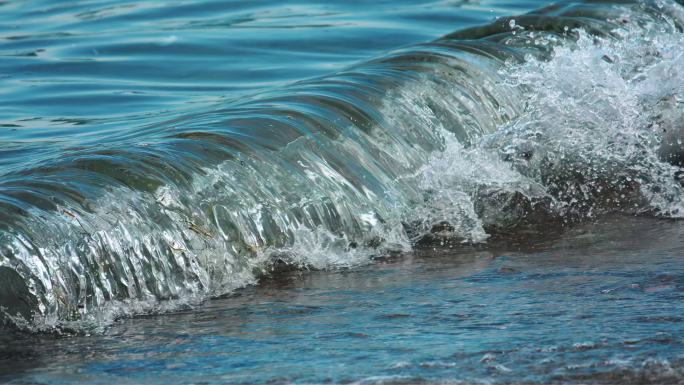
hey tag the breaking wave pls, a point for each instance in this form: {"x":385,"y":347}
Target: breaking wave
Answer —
{"x":545,"y":119}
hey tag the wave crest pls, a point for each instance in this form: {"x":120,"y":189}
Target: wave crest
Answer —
{"x":545,"y":119}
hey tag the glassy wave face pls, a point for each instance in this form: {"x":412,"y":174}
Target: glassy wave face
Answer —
{"x":532,"y":122}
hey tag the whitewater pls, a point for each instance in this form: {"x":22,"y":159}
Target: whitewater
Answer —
{"x":543,"y":120}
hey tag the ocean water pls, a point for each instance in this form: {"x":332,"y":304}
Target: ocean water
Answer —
{"x":341,"y":192}
{"x":601,"y":303}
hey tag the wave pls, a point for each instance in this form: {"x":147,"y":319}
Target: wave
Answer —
{"x":544,"y":119}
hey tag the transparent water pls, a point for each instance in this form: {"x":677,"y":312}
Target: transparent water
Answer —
{"x":341,"y":192}
{"x":601,"y":303}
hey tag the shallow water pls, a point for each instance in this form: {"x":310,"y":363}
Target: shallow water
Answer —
{"x":278,"y":192}
{"x":601,"y":303}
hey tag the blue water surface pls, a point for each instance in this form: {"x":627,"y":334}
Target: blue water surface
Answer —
{"x":601,"y":303}
{"x":82,"y":73}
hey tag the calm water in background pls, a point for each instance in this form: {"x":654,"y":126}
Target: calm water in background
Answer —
{"x":82,"y":73}
{"x":599,"y":302}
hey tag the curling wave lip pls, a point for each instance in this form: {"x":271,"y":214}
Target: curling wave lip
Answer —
{"x":539,"y":120}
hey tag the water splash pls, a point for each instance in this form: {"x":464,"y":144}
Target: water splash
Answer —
{"x":551,"y":119}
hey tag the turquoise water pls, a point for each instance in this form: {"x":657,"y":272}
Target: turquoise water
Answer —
{"x":341,"y":192}
{"x":86,"y":73}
